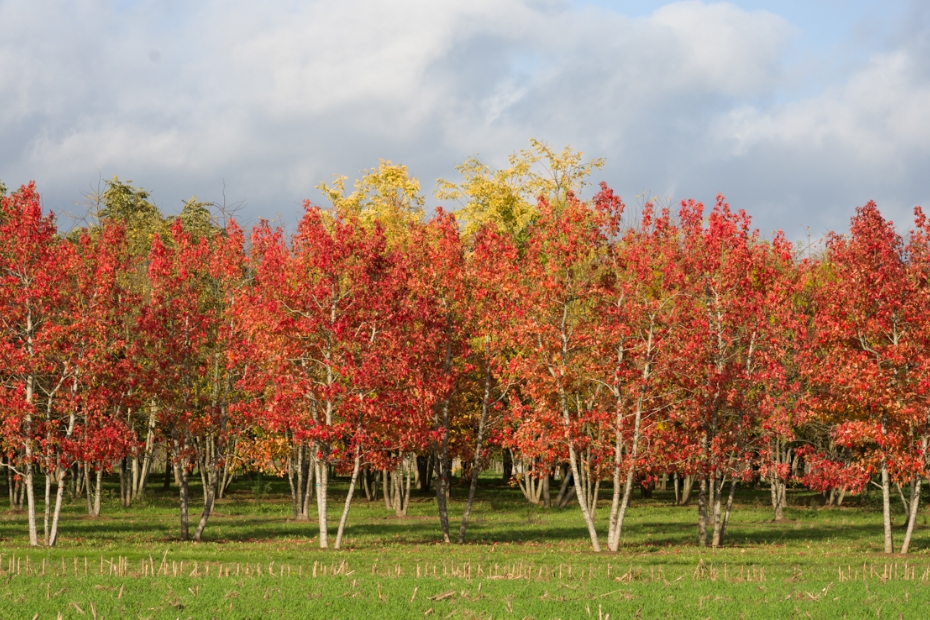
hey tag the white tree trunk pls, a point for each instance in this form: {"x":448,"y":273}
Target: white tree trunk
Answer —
{"x":345,"y":509}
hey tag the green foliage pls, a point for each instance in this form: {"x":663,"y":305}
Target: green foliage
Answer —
{"x":197,"y":219}
{"x":130,"y":205}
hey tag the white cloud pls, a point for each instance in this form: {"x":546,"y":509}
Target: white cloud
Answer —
{"x":273,"y":97}
{"x":878,"y":116}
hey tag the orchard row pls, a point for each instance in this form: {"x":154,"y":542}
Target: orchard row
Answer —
{"x":564,"y":333}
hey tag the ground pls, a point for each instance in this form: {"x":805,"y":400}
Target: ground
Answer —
{"x":520,"y":561}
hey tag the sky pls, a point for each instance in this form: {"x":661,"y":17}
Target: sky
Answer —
{"x":796,"y":111}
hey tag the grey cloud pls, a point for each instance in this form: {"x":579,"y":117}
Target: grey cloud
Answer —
{"x":273,"y":98}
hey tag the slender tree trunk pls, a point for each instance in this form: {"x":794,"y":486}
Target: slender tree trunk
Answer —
{"x":147,"y":456}
{"x":618,"y":513}
{"x":9,"y":481}
{"x":62,"y":478}
{"x":87,"y":489}
{"x":308,"y":493}
{"x":425,"y":472}
{"x":442,"y":474}
{"x":410,"y":468}
{"x":399,"y":488}
{"x":912,"y":513}
{"x":166,"y":483}
{"x":345,"y":508}
{"x":124,"y":494}
{"x":322,"y":482}
{"x":295,"y":500}
{"x":582,"y":500}
{"x":702,"y":511}
{"x":564,"y":487}
{"x":208,"y":504}
{"x":718,"y":510}
{"x":886,"y":507}
{"x":476,"y":461}
{"x":443,"y":464}
{"x":184,"y":496}
{"x":726,"y":515}
{"x":778,"y":497}
{"x":134,"y":471}
{"x":546,"y":494}
{"x":687,"y":485}
{"x":613,"y":524}
{"x":29,"y":481}
{"x":48,"y":504}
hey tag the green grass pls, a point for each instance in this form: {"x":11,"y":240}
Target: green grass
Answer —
{"x":521,"y":561}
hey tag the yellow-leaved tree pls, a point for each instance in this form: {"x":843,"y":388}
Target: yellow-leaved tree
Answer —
{"x":386,"y":194}
{"x":508,"y":197}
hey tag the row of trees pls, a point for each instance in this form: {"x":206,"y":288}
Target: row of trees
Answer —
{"x":382,"y":344}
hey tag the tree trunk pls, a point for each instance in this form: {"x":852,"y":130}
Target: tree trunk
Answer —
{"x":322,"y":483}
{"x":386,"y":488}
{"x":308,"y":492}
{"x":442,"y":461}
{"x":93,"y":490}
{"x":184,"y":497}
{"x":702,"y":512}
{"x":582,"y":500}
{"x":345,"y":508}
{"x":560,"y":499}
{"x":210,"y":495}
{"x":48,"y":504}
{"x":476,"y":461}
{"x":9,"y":481}
{"x":425,"y":472}
{"x":507,"y":465}
{"x":31,"y":500}
{"x":410,"y":469}
{"x":546,"y":494}
{"x":147,"y":455}
{"x":399,"y":487}
{"x":687,"y":484}
{"x":778,"y":491}
{"x":912,"y":513}
{"x":618,"y":513}
{"x":726,"y":515}
{"x":718,"y":509}
{"x":62,"y":478}
{"x":166,"y":483}
{"x":886,"y":507}
{"x":442,"y":474}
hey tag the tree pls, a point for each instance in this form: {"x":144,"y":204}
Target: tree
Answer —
{"x":438,"y":333}
{"x":633,"y":324}
{"x":34,"y":267}
{"x":314,"y":319}
{"x":729,"y":287}
{"x":506,"y":199}
{"x":558,"y":290}
{"x":871,"y":352}
{"x":186,"y":338}
{"x":386,"y":195}
{"x":128,"y":206}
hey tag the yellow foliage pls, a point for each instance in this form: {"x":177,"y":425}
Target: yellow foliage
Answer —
{"x":507,"y":198}
{"x":386,"y":194}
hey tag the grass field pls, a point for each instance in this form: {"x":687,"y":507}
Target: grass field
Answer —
{"x":522,"y":561}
